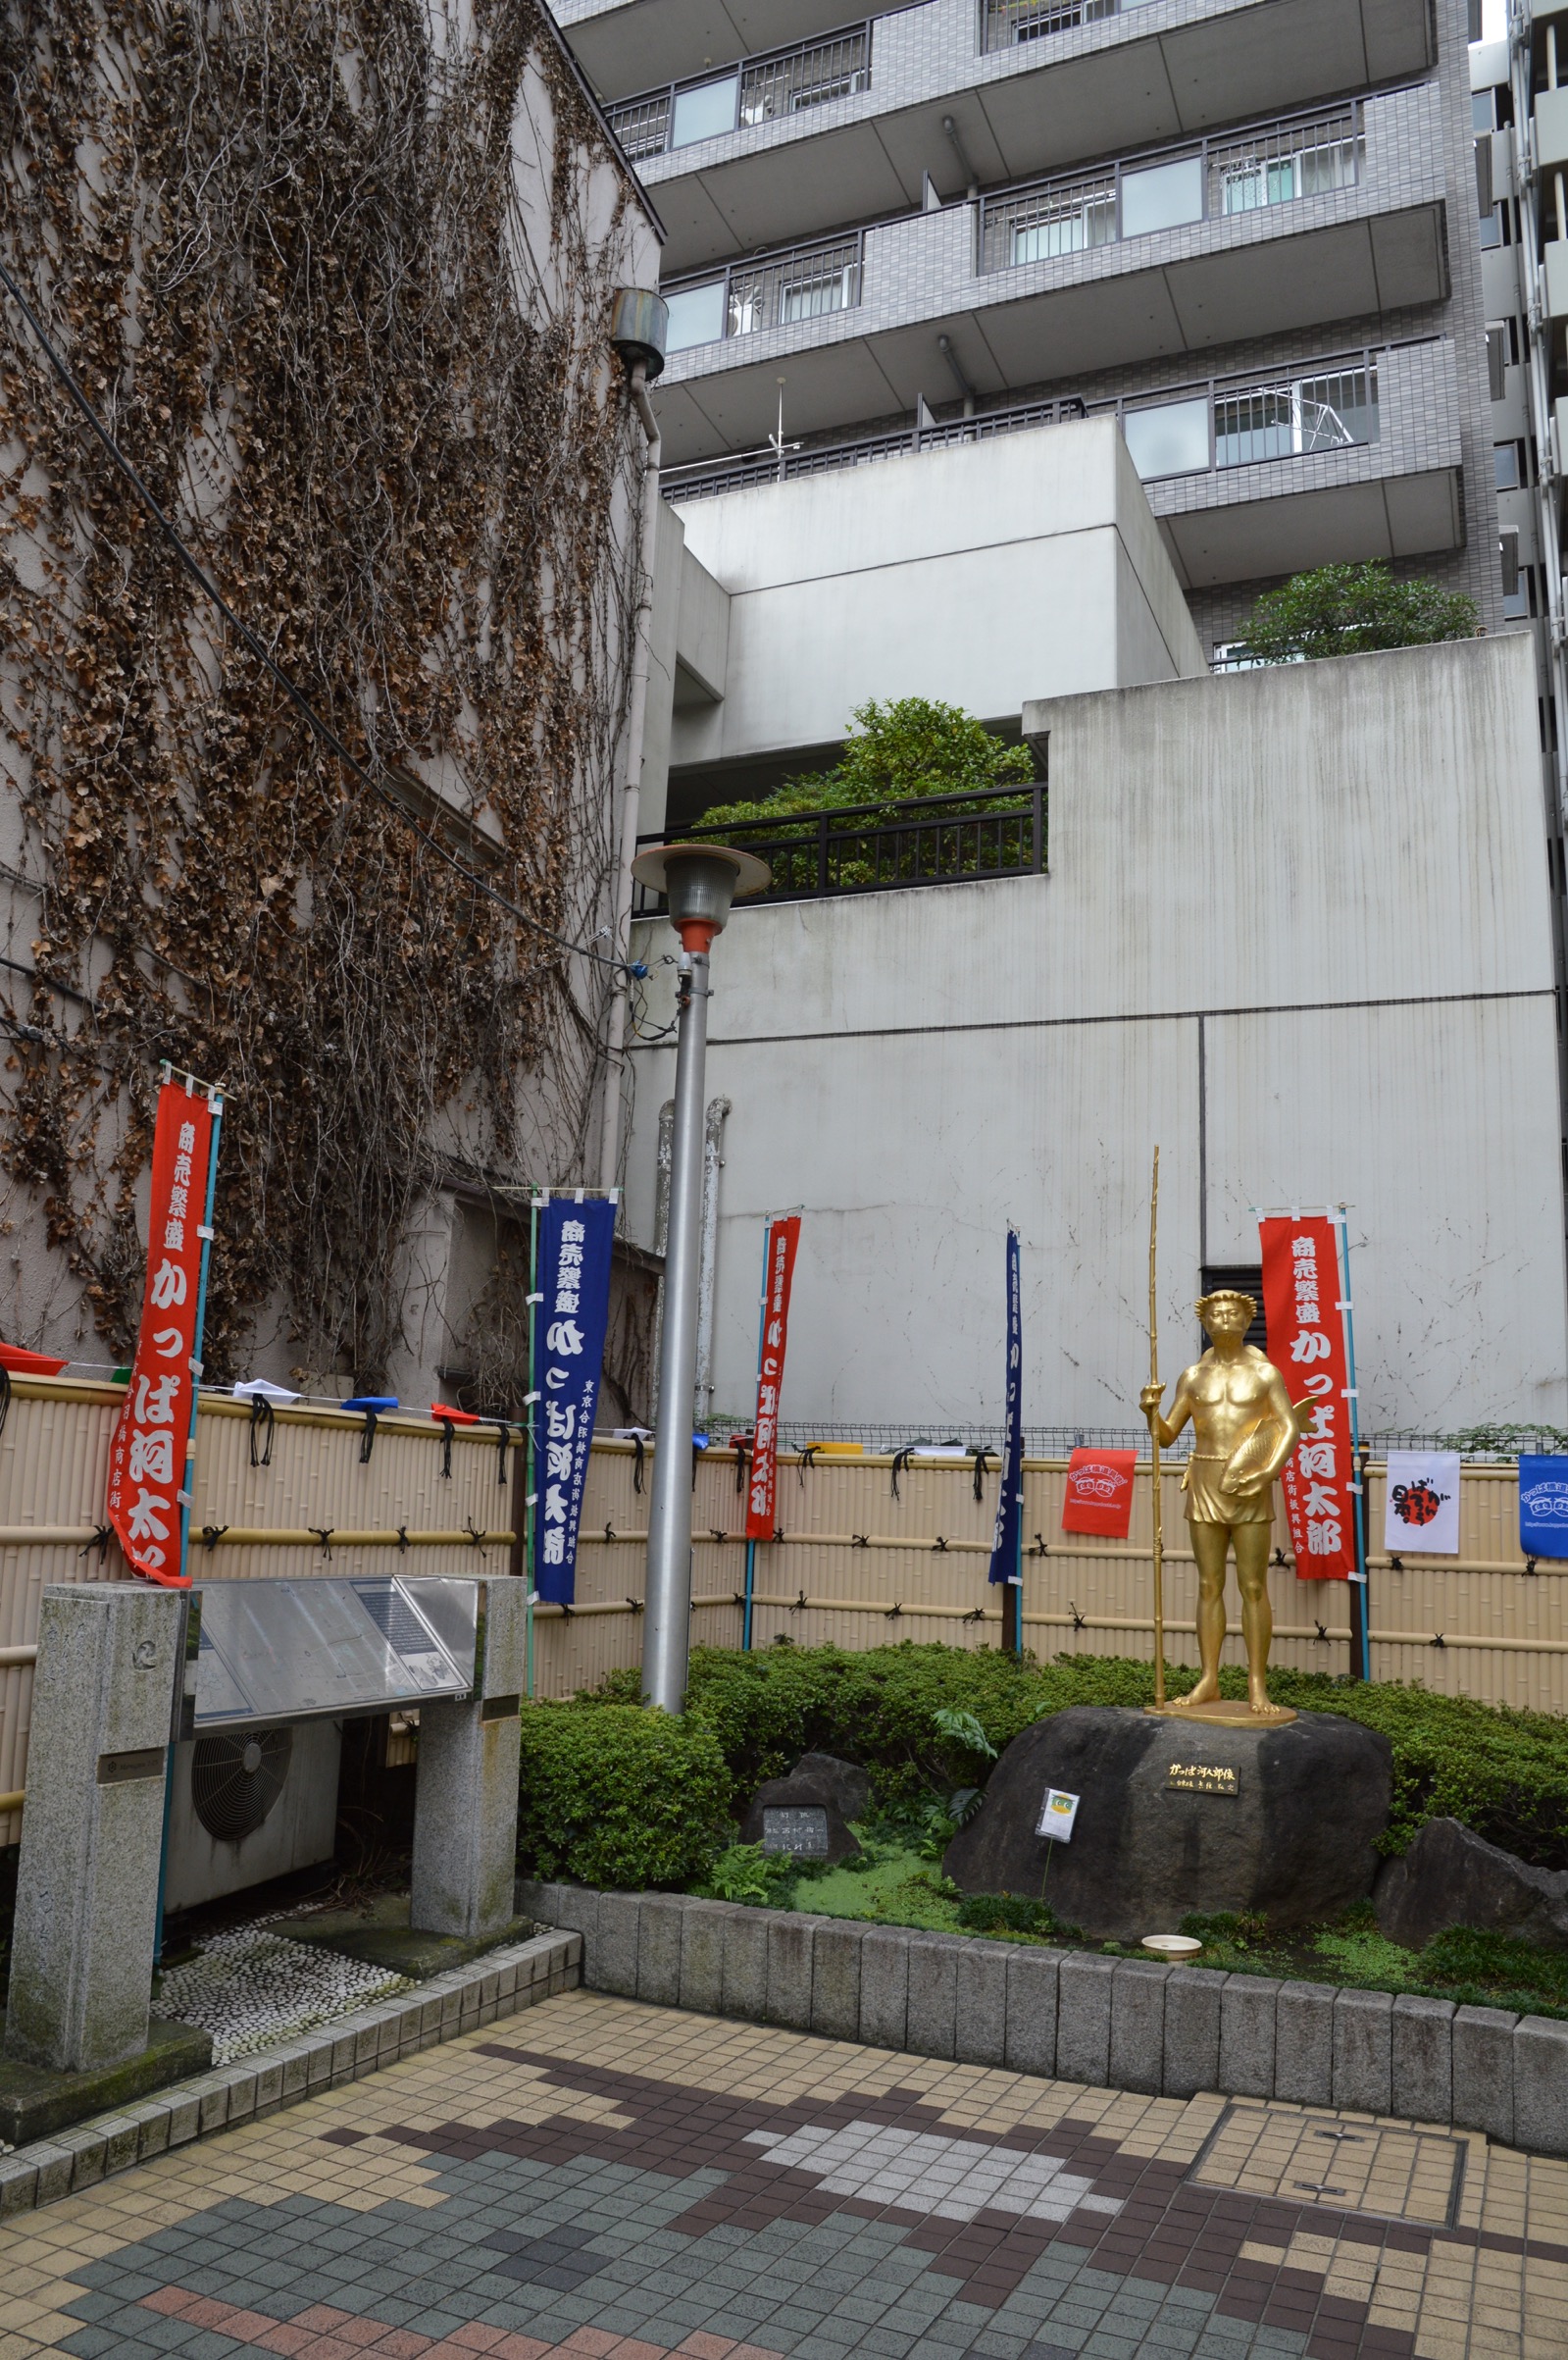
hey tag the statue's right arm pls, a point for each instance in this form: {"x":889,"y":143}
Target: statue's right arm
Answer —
{"x":1181,"y":1408}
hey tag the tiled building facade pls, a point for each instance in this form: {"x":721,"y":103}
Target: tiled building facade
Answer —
{"x":1253,"y":225}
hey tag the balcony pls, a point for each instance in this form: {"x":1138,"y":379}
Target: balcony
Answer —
{"x":883,"y":848}
{"x":874,"y":99}
{"x":766,"y":89}
{"x":1292,"y":223}
{"x":1355,"y":457}
{"x":625,"y":46}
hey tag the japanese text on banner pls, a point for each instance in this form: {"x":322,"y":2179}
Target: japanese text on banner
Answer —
{"x":148,"y":1469}
{"x":1301,"y":1299}
{"x":570,"y":1324}
{"x":779,"y":1267}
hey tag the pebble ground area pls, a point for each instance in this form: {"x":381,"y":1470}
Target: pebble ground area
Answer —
{"x":614,"y":2182}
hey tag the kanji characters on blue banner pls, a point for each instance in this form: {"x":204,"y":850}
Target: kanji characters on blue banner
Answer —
{"x":568,"y":1328}
{"x":1010,"y":1506}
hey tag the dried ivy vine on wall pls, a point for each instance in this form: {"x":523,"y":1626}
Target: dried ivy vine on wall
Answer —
{"x":284,"y":246}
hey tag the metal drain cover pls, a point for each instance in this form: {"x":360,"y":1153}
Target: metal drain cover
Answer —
{"x":1343,"y":2166}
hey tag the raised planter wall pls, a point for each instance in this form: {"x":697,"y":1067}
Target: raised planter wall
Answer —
{"x":1072,"y":2016}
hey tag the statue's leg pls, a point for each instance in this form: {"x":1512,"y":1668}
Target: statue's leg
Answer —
{"x":1257,"y":1617}
{"x":1209,"y":1542}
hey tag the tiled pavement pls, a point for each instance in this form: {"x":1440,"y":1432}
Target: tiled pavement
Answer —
{"x":612,"y":2181}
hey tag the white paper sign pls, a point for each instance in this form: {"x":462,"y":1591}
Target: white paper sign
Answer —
{"x":1423,"y":1503}
{"x":1056,"y":1815}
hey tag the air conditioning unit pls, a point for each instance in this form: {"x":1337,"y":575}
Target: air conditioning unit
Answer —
{"x":247,"y":1805}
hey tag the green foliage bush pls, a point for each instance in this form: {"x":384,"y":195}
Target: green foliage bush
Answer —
{"x":905,"y":748}
{"x":1349,"y":609}
{"x":615,"y":1795}
{"x":1503,"y":1773}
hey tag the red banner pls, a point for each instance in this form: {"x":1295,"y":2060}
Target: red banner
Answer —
{"x":1301,"y":1299}
{"x":148,"y":1470}
{"x":1099,"y":1493}
{"x":779,"y":1269}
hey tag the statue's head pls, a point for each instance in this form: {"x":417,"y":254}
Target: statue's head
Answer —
{"x":1227,"y":1312}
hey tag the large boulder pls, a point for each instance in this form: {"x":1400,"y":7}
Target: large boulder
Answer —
{"x":808,"y":1813}
{"x":1450,"y":1877}
{"x":1285,"y":1821}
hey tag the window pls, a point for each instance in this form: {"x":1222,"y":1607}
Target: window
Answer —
{"x":1065,"y":228}
{"x":705,"y":112}
{"x":1508,"y":466}
{"x":807,"y":298}
{"x":1161,"y":196}
{"x":1172,"y":441}
{"x":697,"y":316}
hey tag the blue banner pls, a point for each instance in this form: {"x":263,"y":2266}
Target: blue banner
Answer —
{"x":569,"y":1327}
{"x":1004,"y":1565}
{"x":1543,"y":1506}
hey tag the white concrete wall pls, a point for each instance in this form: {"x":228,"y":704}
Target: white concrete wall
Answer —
{"x":1295,"y":930}
{"x":979,"y":576}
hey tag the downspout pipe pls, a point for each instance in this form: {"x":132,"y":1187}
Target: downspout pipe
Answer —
{"x":641,"y":353}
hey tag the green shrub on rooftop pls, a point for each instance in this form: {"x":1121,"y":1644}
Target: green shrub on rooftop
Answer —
{"x":901,"y":750}
{"x":611,"y":1794}
{"x":1352,"y":609}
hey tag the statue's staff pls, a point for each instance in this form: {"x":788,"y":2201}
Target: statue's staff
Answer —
{"x":1155,"y":1442}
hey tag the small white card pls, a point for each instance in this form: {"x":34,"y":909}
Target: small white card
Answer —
{"x":1056,"y":1815}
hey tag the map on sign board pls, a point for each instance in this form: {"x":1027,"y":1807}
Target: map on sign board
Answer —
{"x":1056,"y":1815}
{"x":293,"y":1650}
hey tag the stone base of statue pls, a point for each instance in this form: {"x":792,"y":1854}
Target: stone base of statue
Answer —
{"x":1176,"y":1817}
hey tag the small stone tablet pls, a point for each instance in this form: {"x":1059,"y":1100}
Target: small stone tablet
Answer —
{"x":804,"y":1833}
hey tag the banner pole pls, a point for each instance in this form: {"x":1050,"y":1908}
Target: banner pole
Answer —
{"x":1362,"y":1627}
{"x":1157,"y":1500}
{"x":188,"y":1487}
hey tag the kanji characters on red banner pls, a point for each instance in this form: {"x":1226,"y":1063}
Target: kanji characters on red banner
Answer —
{"x":148,"y":1475}
{"x":779,"y":1265}
{"x":1099,"y":1493}
{"x":1301,"y":1300}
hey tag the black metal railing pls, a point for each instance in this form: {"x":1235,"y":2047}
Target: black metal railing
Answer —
{"x":886,"y":847}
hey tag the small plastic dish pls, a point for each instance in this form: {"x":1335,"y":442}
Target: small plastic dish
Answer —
{"x":1172,"y":1946}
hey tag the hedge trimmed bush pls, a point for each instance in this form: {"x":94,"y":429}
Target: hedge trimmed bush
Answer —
{"x":1504,"y":1773}
{"x":613,"y":1795}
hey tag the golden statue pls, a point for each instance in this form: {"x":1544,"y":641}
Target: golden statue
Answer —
{"x":1244,"y":1429}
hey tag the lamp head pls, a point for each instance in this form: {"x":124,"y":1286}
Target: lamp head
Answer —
{"x":700,"y":882}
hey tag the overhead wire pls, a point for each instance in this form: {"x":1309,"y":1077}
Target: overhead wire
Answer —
{"x":323,"y":727}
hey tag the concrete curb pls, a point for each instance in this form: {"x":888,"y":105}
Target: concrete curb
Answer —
{"x":1118,"y":2023}
{"x":499,"y":1984}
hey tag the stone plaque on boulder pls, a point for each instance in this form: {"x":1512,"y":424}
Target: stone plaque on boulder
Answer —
{"x":801,"y":1834}
{"x":1284,"y":1819}
{"x":820,"y":1796}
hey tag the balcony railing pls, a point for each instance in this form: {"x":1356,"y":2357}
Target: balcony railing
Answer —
{"x":1272,"y":164}
{"x":1214,"y":424}
{"x":1005,"y":23}
{"x":880,"y":848}
{"x":801,"y":283}
{"x":785,"y":81}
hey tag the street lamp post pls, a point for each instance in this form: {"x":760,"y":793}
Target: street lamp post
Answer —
{"x":699,"y":883}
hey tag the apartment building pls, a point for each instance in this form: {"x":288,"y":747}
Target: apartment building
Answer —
{"x":1252,"y":230}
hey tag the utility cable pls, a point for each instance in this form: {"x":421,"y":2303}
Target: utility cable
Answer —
{"x":296,"y":695}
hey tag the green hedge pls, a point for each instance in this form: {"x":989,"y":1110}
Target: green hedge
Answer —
{"x":613,"y":1795}
{"x":1501,"y":1772}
